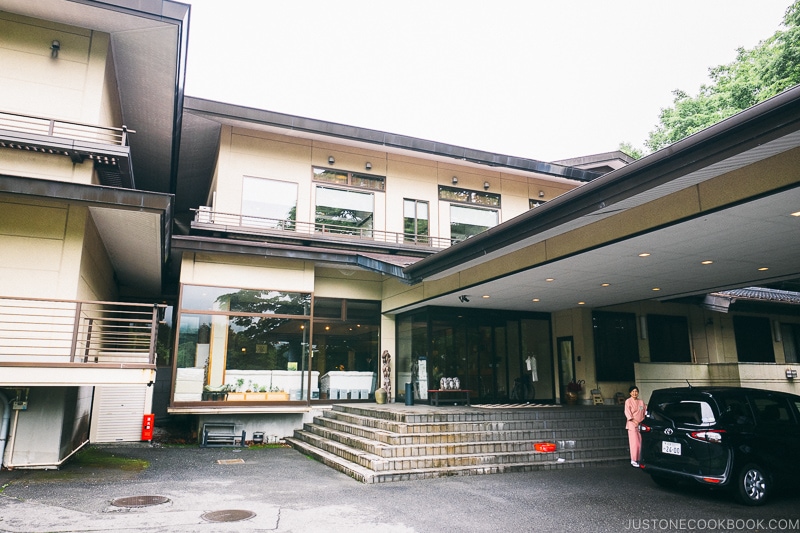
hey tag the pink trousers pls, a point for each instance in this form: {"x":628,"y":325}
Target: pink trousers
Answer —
{"x":635,"y":442}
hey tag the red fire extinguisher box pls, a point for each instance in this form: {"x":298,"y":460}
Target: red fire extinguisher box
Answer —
{"x":147,"y":427}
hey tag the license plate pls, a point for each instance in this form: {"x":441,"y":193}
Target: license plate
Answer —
{"x":672,"y":448}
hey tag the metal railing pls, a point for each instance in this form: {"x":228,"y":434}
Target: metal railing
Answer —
{"x":205,"y":218}
{"x":64,"y":129}
{"x":34,"y":330}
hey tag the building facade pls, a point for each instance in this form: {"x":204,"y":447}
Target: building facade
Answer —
{"x":201,"y":259}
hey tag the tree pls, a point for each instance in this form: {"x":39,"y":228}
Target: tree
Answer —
{"x":755,"y":75}
{"x":630,"y":150}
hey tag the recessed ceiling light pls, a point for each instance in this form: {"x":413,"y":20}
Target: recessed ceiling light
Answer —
{"x":486,"y":296}
{"x":796,"y":214}
{"x":656,"y":288}
{"x":550,"y":279}
{"x":581,"y":303}
{"x":644,"y":254}
{"x":535,"y":300}
{"x":762,"y":269}
{"x":605,"y":284}
{"x":706,"y":262}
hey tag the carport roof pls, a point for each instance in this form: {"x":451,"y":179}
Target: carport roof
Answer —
{"x":748,"y":165}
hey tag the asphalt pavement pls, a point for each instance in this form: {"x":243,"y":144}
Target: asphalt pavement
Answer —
{"x":192,"y":489}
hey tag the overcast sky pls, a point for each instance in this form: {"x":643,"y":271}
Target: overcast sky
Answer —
{"x":543,"y":79}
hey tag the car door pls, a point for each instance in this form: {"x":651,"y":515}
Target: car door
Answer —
{"x":777,"y":434}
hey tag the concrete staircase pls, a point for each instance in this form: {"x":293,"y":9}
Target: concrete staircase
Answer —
{"x":380,"y":443}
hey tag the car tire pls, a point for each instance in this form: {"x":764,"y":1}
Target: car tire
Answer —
{"x":753,"y":485}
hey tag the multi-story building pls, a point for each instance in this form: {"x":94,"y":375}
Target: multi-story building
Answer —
{"x":290,"y":263}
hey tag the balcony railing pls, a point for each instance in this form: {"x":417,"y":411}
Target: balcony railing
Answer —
{"x":64,"y":129}
{"x":77,"y":331}
{"x":205,"y":218}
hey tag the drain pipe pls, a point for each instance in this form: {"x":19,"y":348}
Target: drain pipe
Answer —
{"x":4,"y":426}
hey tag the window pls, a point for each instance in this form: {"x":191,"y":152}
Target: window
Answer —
{"x":668,"y":339}
{"x":753,"y":339}
{"x":615,"y":344}
{"x":415,"y":221}
{"x":350,"y":179}
{"x":268,"y":203}
{"x":466,"y":196}
{"x":534,"y":203}
{"x":468,"y":221}
{"x":342,"y":211}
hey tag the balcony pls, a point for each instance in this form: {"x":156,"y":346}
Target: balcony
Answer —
{"x":106,"y":147}
{"x":206,"y":219}
{"x":77,"y":342}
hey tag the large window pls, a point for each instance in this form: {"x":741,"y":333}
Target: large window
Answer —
{"x":615,"y":344}
{"x":268,"y":203}
{"x":468,"y":221}
{"x":415,"y":221}
{"x":238,"y":342}
{"x":343,"y":211}
{"x":753,"y":339}
{"x":669,"y":339}
{"x":467,"y":196}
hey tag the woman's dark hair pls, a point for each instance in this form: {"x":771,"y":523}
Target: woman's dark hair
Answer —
{"x":633,"y":387}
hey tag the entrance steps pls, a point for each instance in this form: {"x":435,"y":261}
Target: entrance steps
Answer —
{"x":382,"y":443}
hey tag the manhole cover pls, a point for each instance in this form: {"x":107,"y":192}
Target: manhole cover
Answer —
{"x":228,"y":515}
{"x":139,"y":501}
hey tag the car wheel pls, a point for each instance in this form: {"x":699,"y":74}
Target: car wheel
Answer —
{"x":753,"y":485}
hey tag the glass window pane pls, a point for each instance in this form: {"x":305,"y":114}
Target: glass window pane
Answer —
{"x":330,"y":176}
{"x":244,"y":300}
{"x":270,"y":200}
{"x":338,"y":210}
{"x":466,"y":221}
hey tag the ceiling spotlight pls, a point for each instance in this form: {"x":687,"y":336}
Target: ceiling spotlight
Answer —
{"x":486,"y":185}
{"x":541,"y":194}
{"x":55,"y":46}
{"x":331,"y":160}
{"x":455,"y":180}
{"x":368,"y":166}
{"x":463,"y":299}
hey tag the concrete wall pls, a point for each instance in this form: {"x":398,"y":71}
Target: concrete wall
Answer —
{"x":279,"y":425}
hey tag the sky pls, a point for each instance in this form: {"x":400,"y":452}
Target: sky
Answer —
{"x":540,"y":79}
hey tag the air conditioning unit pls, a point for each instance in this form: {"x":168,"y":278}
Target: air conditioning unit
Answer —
{"x":204,"y":214}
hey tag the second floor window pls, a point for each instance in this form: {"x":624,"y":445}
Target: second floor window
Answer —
{"x":468,"y":221}
{"x":268,"y":203}
{"x":343,"y":211}
{"x":350,"y":179}
{"x":415,"y":221}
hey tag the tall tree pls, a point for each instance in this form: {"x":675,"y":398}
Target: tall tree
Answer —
{"x":769,"y":68}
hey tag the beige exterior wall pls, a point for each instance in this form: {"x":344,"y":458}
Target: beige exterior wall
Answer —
{"x":76,"y":86}
{"x":96,"y":273}
{"x":257,"y":154}
{"x":247,"y":272}
{"x":42,"y":257}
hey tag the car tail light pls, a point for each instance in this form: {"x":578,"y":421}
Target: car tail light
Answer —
{"x":710,"y":435}
{"x":644,"y":429}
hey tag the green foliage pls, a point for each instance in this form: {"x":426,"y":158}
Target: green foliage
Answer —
{"x":630,"y":150}
{"x":755,"y":75}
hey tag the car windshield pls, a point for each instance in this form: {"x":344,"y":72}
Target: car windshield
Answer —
{"x":684,"y":412}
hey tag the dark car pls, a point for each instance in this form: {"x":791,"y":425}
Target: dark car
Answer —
{"x":745,"y":440}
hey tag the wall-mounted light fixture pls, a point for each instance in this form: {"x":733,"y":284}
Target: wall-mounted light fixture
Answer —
{"x":486,"y":185}
{"x":541,"y":194}
{"x":791,"y":373}
{"x":455,"y":180}
{"x":463,"y":299}
{"x":55,"y":46}
{"x":368,"y":166}
{"x":331,"y":160}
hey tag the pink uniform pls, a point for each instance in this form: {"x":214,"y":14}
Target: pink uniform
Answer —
{"x":634,"y":414}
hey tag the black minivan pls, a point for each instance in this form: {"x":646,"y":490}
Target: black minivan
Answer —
{"x":747,"y":440}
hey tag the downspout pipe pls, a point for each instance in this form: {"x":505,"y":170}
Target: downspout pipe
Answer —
{"x":4,"y":426}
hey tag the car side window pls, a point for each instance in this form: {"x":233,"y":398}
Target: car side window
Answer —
{"x":694,"y":413}
{"x":772,"y":410}
{"x":736,"y":411}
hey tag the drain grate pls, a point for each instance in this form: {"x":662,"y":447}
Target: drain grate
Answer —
{"x":228,"y":515}
{"x":139,"y":501}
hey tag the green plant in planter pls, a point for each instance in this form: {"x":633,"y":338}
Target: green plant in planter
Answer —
{"x":239,"y":384}
{"x":262,"y":389}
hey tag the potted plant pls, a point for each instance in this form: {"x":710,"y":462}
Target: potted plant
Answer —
{"x":574,"y":388}
{"x":277,"y":394}
{"x":236,"y":394}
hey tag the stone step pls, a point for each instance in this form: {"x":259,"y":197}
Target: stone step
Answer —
{"x":383,"y":458}
{"x":468,"y":432}
{"x":476,"y":414}
{"x":366,"y":475}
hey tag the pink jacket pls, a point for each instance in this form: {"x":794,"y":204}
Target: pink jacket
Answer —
{"x":634,"y":413}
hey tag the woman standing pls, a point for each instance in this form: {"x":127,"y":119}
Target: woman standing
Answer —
{"x":634,"y":414}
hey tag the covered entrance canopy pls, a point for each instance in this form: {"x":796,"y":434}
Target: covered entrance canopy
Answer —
{"x":718,"y":210}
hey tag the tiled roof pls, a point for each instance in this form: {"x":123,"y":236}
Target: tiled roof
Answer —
{"x":762,"y":295}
